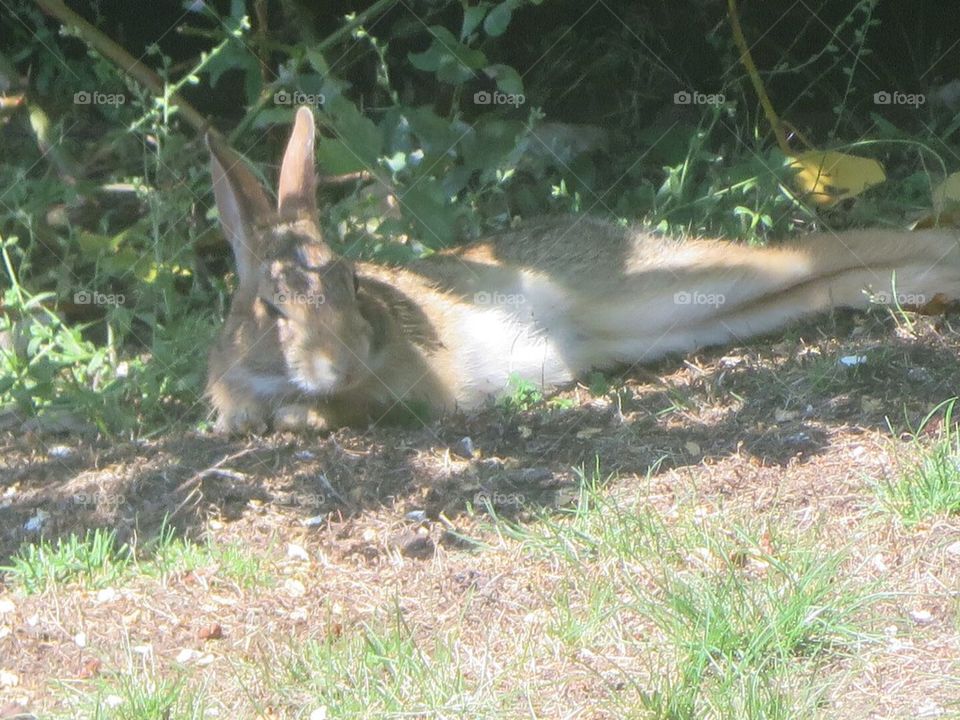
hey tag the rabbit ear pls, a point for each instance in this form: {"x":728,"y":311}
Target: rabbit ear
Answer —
{"x":297,"y":196}
{"x":241,"y":203}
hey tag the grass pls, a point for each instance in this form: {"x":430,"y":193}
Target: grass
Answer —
{"x":930,"y":485}
{"x":624,"y":604}
{"x":97,"y":560}
{"x":94,"y":561}
{"x":743,"y":614}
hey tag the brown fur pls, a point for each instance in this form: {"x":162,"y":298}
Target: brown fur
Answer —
{"x":314,"y":340}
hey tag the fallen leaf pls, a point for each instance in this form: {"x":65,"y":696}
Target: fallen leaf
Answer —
{"x":946,"y":195}
{"x":781,"y":415}
{"x":213,"y":631}
{"x":91,"y":668}
{"x":829,"y":176}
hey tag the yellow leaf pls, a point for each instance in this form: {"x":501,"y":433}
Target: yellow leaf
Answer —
{"x":946,"y":205}
{"x":947,"y":194}
{"x":831,"y":176}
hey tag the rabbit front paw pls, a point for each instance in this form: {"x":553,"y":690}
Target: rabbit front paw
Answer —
{"x":241,"y":420}
{"x":299,"y":418}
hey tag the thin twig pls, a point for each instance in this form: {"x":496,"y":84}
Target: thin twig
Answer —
{"x":754,"y":74}
{"x":121,"y":58}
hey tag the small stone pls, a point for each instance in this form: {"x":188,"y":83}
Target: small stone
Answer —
{"x":294,"y":588}
{"x":463,"y":448}
{"x":36,"y":523}
{"x":921,"y":617}
{"x":60,"y":452}
{"x":417,"y":516}
{"x":929,"y":709}
{"x":9,"y":679}
{"x":296,"y":552}
{"x":419,"y":548}
{"x":186,"y":655}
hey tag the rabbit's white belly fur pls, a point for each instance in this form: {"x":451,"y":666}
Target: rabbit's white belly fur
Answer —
{"x":268,"y":385}
{"x":518,"y":330}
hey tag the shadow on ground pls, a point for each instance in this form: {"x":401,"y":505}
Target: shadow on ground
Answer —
{"x":777,"y":403}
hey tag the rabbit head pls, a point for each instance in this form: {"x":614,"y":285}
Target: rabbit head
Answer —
{"x":296,"y":294}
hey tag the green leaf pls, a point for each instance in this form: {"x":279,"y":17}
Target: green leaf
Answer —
{"x":451,"y":61}
{"x":358,"y":133}
{"x":233,"y":57}
{"x":431,"y":216}
{"x":396,"y":162}
{"x":317,"y":61}
{"x":472,"y":17}
{"x":499,"y":18}
{"x":508,"y":79}
{"x":336,"y":158}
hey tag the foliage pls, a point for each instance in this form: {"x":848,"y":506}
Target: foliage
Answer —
{"x":441,"y":121}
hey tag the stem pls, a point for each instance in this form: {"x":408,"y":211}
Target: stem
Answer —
{"x":747,"y":61}
{"x":267,"y":95}
{"x":119,"y":57}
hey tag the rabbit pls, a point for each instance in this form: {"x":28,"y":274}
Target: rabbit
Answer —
{"x":316,"y":341}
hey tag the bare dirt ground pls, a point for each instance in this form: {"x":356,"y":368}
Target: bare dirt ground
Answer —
{"x":791,"y":430}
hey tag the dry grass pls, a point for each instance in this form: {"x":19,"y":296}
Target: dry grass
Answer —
{"x":731,"y":557}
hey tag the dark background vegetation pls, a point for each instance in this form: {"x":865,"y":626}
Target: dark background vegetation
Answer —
{"x":114,"y":199}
